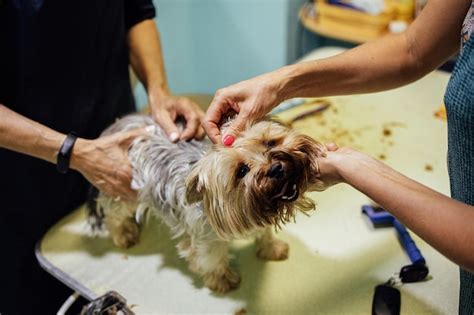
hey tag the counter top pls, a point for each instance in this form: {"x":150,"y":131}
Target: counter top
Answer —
{"x":336,"y":257}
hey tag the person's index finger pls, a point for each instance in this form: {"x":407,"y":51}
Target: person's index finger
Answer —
{"x":192,"y":124}
{"x":166,"y":122}
{"x":219,"y":107}
{"x":212,"y":131}
{"x":200,"y":133}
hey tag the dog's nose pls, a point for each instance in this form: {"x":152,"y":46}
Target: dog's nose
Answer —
{"x":276,"y":171}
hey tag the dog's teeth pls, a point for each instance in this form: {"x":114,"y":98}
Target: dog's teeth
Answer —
{"x":294,"y":186}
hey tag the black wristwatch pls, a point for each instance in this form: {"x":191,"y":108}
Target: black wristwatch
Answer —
{"x":64,"y":154}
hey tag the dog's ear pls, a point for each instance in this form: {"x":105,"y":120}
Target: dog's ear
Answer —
{"x":194,"y":190}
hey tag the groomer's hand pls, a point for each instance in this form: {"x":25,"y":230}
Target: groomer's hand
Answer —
{"x":251,"y":100}
{"x":166,"y":109}
{"x":340,"y":163}
{"x":329,"y":162}
{"x":104,"y":163}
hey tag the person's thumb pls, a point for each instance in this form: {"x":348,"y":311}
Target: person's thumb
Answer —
{"x":233,"y":131}
{"x":165,"y":122}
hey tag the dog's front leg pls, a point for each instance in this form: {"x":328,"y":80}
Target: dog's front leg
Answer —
{"x":271,"y":248}
{"x":210,"y":259}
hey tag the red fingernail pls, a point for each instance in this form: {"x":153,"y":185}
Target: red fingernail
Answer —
{"x":228,"y":140}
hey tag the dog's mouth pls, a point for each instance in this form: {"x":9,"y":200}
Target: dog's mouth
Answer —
{"x":289,"y":192}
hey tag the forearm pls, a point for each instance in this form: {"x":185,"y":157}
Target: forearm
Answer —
{"x":390,"y":62}
{"x":371,"y":67}
{"x":24,"y":135}
{"x":444,"y":223}
{"x":146,"y":58}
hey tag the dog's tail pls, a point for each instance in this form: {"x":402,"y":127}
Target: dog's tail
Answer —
{"x":95,"y":213}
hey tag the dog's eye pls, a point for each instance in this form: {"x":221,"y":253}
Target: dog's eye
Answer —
{"x":270,"y":143}
{"x":242,"y":171}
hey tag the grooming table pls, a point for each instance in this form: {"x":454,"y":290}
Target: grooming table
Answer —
{"x":336,"y":257}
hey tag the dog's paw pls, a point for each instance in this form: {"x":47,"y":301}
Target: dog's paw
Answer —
{"x":222,"y":282}
{"x":274,"y":250}
{"x":184,"y":248}
{"x":126,"y":234}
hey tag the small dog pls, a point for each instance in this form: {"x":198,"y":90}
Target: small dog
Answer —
{"x":210,"y":194}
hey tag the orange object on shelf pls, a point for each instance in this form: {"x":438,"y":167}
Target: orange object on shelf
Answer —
{"x":352,"y":25}
{"x":348,"y":24}
{"x":402,"y":10}
{"x":353,"y":17}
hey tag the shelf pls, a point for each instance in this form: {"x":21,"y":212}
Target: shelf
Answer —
{"x":339,"y":32}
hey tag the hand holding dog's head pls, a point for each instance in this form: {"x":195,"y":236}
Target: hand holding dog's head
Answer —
{"x":260,"y":181}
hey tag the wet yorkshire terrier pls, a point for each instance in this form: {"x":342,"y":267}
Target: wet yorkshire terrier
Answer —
{"x":210,"y":194}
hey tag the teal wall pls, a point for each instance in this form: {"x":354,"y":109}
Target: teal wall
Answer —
{"x":209,"y":44}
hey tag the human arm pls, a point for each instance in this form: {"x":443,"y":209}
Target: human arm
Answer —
{"x":147,"y":62}
{"x":103,"y":161}
{"x":444,"y":223}
{"x":390,"y":62}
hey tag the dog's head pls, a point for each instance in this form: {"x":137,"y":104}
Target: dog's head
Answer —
{"x":260,"y":181}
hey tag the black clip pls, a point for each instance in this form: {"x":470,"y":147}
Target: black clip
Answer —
{"x":109,"y":303}
{"x":387,"y":300}
{"x":413,"y":273}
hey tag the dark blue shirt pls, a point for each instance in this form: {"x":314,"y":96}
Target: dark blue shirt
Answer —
{"x":459,"y":100}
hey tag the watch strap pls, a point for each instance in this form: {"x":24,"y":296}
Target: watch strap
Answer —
{"x":64,"y":154}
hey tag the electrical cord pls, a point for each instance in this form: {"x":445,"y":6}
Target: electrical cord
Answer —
{"x":67,"y":304}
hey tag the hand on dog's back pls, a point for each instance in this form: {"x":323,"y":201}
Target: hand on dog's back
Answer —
{"x":104,"y":163}
{"x":169,"y":108}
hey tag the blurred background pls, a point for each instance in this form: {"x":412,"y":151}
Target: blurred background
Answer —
{"x":209,"y":44}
